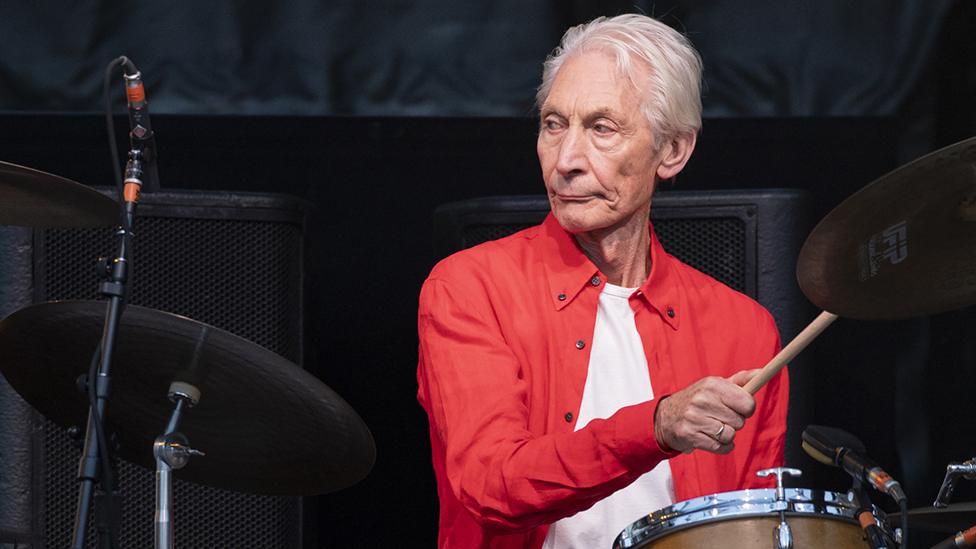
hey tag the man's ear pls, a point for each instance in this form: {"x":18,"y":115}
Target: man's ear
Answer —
{"x":676,"y":154}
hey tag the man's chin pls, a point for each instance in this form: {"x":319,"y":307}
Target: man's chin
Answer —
{"x":577,"y":224}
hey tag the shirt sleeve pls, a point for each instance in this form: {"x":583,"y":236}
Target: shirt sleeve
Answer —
{"x":473,"y":389}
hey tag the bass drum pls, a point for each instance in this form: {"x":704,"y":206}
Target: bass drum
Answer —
{"x":748,"y":519}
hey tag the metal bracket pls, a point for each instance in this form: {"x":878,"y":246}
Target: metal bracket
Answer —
{"x":966,"y":469}
{"x":782,"y":534}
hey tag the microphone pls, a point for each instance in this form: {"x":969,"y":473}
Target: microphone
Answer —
{"x":839,"y":448}
{"x":142,"y":159}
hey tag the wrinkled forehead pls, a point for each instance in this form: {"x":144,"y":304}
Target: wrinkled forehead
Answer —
{"x":609,"y":61}
{"x":595,"y":79}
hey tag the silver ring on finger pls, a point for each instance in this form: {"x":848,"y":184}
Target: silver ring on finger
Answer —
{"x":719,"y":432}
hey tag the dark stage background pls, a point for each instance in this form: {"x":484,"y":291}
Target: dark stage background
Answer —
{"x":377,"y":113}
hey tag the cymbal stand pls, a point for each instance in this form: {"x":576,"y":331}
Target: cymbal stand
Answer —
{"x":966,"y":469}
{"x":172,"y":451}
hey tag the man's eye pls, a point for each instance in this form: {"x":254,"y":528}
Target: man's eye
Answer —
{"x":552,"y":125}
{"x":603,"y":129}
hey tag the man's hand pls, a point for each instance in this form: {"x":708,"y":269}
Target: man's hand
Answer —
{"x":705,"y":415}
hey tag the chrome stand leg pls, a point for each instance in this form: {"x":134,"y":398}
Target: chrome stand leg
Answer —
{"x":164,"y":491}
{"x":172,"y":451}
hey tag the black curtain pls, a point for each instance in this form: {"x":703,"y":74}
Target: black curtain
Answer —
{"x":443,"y":58}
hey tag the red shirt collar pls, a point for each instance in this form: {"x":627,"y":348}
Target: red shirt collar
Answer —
{"x":570,"y":272}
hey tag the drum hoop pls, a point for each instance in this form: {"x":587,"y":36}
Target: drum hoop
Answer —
{"x":738,"y":504}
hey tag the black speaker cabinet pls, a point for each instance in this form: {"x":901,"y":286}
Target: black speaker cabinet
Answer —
{"x":232,"y":260}
{"x":747,"y":239}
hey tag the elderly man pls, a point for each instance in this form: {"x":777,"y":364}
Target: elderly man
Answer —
{"x":577,"y":377}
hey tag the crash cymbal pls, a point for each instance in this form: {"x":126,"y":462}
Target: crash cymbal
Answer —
{"x":32,"y":198}
{"x":266,"y":425}
{"x":905,"y":245}
{"x":951,"y":519}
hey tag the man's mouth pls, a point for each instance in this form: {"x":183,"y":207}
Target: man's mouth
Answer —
{"x":574,"y":197}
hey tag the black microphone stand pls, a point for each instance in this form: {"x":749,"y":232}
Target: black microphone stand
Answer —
{"x":91,"y":468}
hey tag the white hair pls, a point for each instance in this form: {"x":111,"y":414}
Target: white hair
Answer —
{"x":671,"y":91}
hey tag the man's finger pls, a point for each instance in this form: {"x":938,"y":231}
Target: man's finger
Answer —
{"x":709,"y":444}
{"x":722,"y":415}
{"x":742,"y":377}
{"x":725,"y":448}
{"x":736,"y":398}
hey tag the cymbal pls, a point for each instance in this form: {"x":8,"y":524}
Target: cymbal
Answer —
{"x":904,"y":245}
{"x":33,"y":198}
{"x":951,"y":519}
{"x":265,"y":425}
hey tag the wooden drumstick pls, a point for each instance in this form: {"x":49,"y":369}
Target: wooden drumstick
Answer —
{"x":792,"y":349}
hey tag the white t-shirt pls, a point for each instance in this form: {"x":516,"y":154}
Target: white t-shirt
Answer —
{"x":616,"y":377}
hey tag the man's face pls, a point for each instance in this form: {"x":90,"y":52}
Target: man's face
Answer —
{"x":595,"y":146}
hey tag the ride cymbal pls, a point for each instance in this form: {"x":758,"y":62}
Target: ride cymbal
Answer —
{"x":905,"y":245}
{"x":32,"y":198}
{"x":954,"y":518}
{"x":266,"y":425}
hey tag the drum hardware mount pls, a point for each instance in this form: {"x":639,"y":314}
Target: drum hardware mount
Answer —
{"x":172,"y":451}
{"x":782,"y":534}
{"x":965,"y":469}
{"x":874,"y":531}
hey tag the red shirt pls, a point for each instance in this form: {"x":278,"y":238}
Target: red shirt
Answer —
{"x":505,"y":332}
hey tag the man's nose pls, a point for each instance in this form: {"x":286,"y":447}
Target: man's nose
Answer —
{"x":572,"y":153}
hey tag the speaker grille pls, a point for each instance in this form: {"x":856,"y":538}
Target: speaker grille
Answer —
{"x":238,"y":275}
{"x":713,"y":245}
{"x":241,"y":275}
{"x":476,"y":234}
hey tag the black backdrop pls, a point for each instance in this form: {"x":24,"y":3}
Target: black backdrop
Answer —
{"x":375,"y":182}
{"x":439,"y":57}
